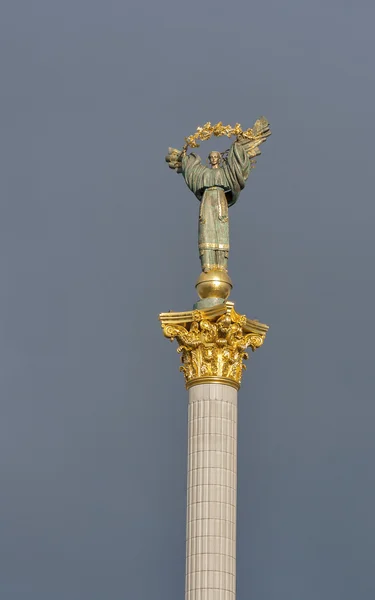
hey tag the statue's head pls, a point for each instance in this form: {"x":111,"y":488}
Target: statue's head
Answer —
{"x":215,"y":159}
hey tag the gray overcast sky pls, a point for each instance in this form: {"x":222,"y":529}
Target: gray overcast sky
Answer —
{"x":98,"y":236}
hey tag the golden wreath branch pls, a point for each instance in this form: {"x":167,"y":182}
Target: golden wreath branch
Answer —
{"x":208,"y":130}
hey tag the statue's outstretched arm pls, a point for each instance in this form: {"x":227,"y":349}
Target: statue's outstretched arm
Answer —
{"x":259,"y":133}
{"x":174,"y":158}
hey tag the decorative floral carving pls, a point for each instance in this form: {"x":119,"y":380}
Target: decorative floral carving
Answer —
{"x":213,"y":348}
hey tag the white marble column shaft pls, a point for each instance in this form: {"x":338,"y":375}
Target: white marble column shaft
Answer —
{"x":211,"y":493}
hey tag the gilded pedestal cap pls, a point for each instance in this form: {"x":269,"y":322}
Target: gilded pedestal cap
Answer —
{"x":214,"y":284}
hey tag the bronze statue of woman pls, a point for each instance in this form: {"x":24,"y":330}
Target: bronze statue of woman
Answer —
{"x":217,"y":187}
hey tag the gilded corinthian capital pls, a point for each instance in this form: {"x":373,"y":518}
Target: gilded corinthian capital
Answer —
{"x":213,"y":342}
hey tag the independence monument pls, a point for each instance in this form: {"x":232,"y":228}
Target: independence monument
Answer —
{"x":212,"y":342}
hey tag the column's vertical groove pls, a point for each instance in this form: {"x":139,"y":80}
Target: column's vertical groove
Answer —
{"x":211,"y":493}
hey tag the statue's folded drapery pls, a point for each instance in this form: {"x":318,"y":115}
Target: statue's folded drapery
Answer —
{"x":231,"y":176}
{"x":216,"y":189}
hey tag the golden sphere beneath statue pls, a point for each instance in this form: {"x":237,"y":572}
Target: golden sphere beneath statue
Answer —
{"x":214,"y":284}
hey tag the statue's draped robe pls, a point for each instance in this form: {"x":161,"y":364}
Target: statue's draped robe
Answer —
{"x":216,"y":189}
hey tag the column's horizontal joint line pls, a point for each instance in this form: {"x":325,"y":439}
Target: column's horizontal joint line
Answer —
{"x":211,"y":467}
{"x":209,"y":588}
{"x":231,"y":401}
{"x":206,"y":434}
{"x":210,"y":554}
{"x":226,"y":414}
{"x":221,"y":485}
{"x":193,"y":418}
{"x":218,"y":537}
{"x":206,"y":397}
{"x":211,"y":450}
{"x":190,"y":504}
{"x":212,"y":519}
{"x":231,"y":454}
{"x":210,"y":571}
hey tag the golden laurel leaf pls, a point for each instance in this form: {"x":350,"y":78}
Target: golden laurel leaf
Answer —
{"x":204,"y":133}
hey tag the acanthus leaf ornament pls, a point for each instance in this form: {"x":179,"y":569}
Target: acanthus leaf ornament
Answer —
{"x":213,"y":346}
